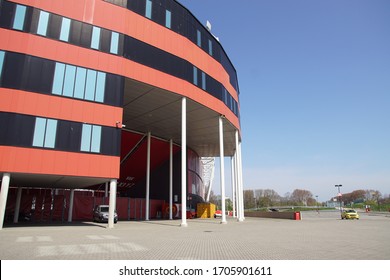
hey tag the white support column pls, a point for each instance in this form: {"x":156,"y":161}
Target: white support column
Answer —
{"x":241,"y":183}
{"x":222,"y":167}
{"x":238,"y":196}
{"x":70,"y":211}
{"x":17,"y":205}
{"x":233,"y":170}
{"x":183,"y":162}
{"x":170,"y":178}
{"x":3,"y":196}
{"x":106,"y":190}
{"x":240,"y":206}
{"x":147,"y":198}
{"x":111,"y":208}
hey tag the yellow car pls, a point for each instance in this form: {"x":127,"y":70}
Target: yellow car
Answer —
{"x":349,"y":214}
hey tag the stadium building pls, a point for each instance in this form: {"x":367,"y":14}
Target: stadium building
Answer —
{"x":112,"y":102}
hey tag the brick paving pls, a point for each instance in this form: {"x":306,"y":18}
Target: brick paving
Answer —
{"x":321,"y":236}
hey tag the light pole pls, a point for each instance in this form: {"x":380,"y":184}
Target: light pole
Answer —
{"x":318,"y":210}
{"x":339,"y":195}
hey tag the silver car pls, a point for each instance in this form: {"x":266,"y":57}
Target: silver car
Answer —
{"x":100,"y":214}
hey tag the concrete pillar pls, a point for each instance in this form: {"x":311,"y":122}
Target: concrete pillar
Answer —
{"x":111,"y":209}
{"x":170,"y":179}
{"x":17,"y":205}
{"x":222,"y":167}
{"x":240,"y":200}
{"x":70,"y":213}
{"x":233,"y":171}
{"x":183,"y":162}
{"x":3,"y":196}
{"x":106,"y":190}
{"x":241,"y":183}
{"x":147,"y":197}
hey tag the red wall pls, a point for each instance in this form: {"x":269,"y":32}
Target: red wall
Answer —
{"x":42,"y":205}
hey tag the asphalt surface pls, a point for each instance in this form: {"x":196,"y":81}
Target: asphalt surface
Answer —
{"x":322,"y":236}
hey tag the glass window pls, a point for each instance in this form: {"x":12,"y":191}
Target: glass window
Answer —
{"x":195,"y":79}
{"x":100,"y":86}
{"x":114,"y":42}
{"x":210,"y":47}
{"x":80,"y":83}
{"x":65,"y":27}
{"x":1,"y":61}
{"x":96,"y":138}
{"x":91,"y":138}
{"x":58,"y":78}
{"x":90,"y":85}
{"x":20,"y":14}
{"x":50,"y":136}
{"x":69,"y":80}
{"x":168,"y":16}
{"x":39,"y":132}
{"x":45,"y":133}
{"x":86,"y":138}
{"x":226,"y":96}
{"x":199,"y":38}
{"x":42,"y":23}
{"x":148,"y":11}
{"x":203,"y":80}
{"x":95,"y":38}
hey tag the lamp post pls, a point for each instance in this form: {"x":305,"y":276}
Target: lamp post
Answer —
{"x":339,"y":195}
{"x":317,"y":204}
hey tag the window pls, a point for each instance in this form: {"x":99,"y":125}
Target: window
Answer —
{"x":195,"y":78}
{"x":90,"y":85}
{"x":100,"y":87}
{"x":1,"y":62}
{"x":168,"y":16}
{"x":45,"y":132}
{"x":78,"y":82}
{"x":198,"y":38}
{"x":69,"y":80}
{"x":225,"y":96}
{"x":42,"y":23}
{"x":148,"y":11}
{"x":58,"y":81}
{"x":203,"y":80}
{"x":114,"y":43}
{"x":79,"y":87}
{"x":95,"y":38}
{"x":65,"y":27}
{"x":20,"y":14}
{"x":91,"y":138}
{"x":210,"y":47}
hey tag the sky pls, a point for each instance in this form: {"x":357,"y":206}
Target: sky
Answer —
{"x":314,"y":79}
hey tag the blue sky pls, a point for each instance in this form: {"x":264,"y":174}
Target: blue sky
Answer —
{"x":315,"y":90}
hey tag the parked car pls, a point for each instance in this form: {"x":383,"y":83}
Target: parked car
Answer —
{"x":218,"y":213}
{"x":349,"y":214}
{"x":100,"y":214}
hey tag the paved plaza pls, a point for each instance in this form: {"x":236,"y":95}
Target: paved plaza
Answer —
{"x":322,"y":236}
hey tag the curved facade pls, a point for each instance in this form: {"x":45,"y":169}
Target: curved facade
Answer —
{"x":75,"y":73}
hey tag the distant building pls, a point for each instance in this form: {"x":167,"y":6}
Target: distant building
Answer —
{"x":334,"y":203}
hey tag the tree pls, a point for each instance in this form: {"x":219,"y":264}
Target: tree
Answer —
{"x":249,"y":199}
{"x":301,"y":196}
{"x":214,"y":199}
{"x":266,"y":197}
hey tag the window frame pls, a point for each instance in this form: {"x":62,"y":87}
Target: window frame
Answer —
{"x":43,"y":23}
{"x":65,"y":29}
{"x":91,"y":138}
{"x":19,"y":18}
{"x":45,"y":131}
{"x":95,"y":40}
